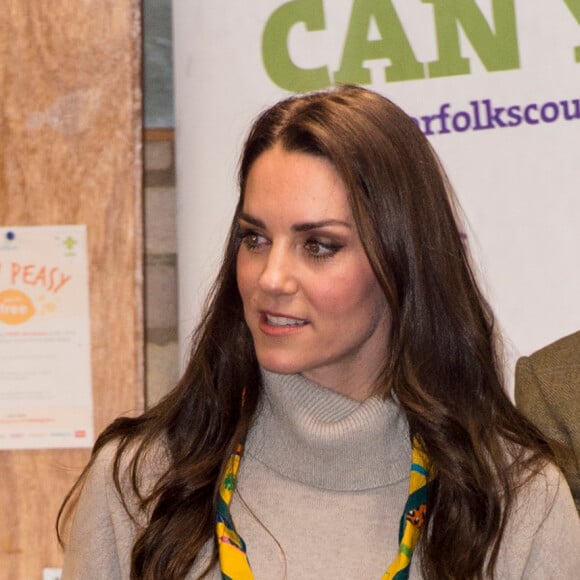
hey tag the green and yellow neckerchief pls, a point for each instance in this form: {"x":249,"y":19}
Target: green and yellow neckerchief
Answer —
{"x":234,"y":564}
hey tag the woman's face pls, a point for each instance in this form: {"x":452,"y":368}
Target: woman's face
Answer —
{"x":311,"y":299}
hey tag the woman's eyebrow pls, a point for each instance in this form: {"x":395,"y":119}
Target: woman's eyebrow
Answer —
{"x":252,"y":220}
{"x":302,"y":227}
{"x":307,"y":226}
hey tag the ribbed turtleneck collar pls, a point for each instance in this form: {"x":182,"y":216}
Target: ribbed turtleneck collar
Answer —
{"x":323,"y":439}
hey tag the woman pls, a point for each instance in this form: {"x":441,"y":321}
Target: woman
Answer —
{"x":343,"y":403}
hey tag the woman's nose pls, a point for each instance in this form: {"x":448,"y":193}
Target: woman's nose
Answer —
{"x":279,"y":273}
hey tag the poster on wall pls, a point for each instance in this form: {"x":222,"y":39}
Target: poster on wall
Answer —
{"x":493,"y":84}
{"x":45,"y":372}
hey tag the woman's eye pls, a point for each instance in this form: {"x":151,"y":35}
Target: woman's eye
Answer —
{"x":252,"y":240}
{"x":318,"y":249}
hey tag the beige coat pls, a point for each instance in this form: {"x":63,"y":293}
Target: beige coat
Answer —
{"x":547,"y":391}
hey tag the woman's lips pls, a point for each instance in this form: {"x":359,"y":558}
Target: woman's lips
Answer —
{"x":280,"y":324}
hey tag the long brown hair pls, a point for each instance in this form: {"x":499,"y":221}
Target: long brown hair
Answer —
{"x":442,"y":365}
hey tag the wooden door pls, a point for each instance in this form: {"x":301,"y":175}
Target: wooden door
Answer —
{"x":70,"y":153}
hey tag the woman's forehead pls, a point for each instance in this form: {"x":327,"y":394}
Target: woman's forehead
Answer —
{"x":297,"y":184}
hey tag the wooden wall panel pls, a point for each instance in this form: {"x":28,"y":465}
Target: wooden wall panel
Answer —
{"x":70,"y":153}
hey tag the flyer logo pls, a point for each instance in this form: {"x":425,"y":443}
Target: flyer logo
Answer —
{"x":15,"y":307}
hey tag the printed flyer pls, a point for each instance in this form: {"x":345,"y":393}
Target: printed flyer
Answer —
{"x":45,"y":367}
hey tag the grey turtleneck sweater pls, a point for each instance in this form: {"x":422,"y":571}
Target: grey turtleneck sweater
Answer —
{"x":327,"y":478}
{"x":321,"y":491}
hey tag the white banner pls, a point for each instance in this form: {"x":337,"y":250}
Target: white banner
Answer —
{"x":494,"y":84}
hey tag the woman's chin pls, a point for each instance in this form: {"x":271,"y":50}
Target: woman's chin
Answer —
{"x":281,"y":367}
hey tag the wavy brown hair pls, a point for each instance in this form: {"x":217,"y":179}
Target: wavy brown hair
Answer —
{"x":442,"y":365}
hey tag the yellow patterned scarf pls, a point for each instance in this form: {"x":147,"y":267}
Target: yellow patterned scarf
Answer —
{"x":234,"y":564}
